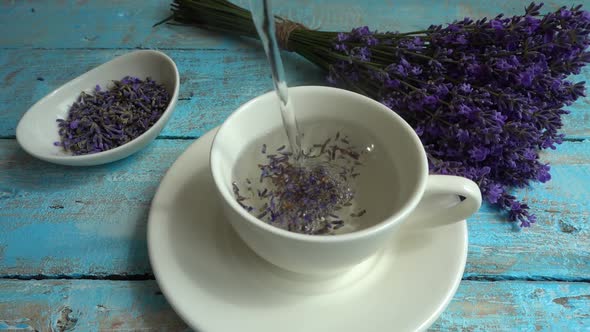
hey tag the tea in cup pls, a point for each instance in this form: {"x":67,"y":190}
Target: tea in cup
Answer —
{"x":362,"y":174}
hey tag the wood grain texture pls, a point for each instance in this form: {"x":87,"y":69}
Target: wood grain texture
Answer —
{"x":517,"y":306}
{"x":58,"y":220}
{"x":47,"y":209}
{"x":213,"y":84}
{"x":561,"y":237}
{"x":89,"y":223}
{"x":82,"y":305}
{"x":124,"y":24}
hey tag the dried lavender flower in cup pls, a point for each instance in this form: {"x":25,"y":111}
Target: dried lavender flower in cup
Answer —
{"x":312,"y":194}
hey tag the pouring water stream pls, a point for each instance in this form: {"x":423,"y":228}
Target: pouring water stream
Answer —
{"x":265,"y":25}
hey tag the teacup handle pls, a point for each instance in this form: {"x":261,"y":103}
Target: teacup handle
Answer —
{"x":440,"y":204}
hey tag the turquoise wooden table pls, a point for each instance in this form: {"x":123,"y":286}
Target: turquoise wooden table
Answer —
{"x":73,"y":252}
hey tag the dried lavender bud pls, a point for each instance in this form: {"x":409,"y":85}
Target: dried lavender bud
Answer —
{"x":107,"y":119}
{"x":307,"y":195}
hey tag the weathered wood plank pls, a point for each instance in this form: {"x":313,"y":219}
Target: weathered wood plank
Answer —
{"x":83,"y":305}
{"x":213,"y":84}
{"x":561,"y":236}
{"x":91,"y":221}
{"x":577,"y":123}
{"x":517,"y":306}
{"x":66,"y":24}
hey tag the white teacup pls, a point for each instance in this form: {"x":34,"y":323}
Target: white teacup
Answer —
{"x":332,"y":254}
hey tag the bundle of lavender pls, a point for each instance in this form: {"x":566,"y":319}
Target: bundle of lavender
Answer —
{"x":484,"y":96}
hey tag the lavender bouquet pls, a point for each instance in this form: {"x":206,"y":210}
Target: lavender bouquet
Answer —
{"x":484,"y":96}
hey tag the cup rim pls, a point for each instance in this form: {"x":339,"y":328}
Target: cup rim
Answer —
{"x":383,"y":225}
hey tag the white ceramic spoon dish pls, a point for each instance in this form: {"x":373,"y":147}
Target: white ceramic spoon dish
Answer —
{"x":38,"y":130}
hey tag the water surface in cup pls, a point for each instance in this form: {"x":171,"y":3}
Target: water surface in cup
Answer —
{"x":372,"y":179}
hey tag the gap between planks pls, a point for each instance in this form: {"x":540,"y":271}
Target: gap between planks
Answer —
{"x":149,"y":276}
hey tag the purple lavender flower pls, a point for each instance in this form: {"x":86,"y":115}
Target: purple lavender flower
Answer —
{"x":497,"y":24}
{"x":500,"y":85}
{"x":482,"y":110}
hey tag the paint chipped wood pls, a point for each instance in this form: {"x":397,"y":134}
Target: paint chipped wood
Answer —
{"x":518,"y":306}
{"x":105,"y":212}
{"x":90,"y":222}
{"x":211,"y":85}
{"x":83,"y":305}
{"x":212,"y":82}
{"x":124,"y":24}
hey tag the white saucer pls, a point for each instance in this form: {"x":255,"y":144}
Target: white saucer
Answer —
{"x":216,"y":284}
